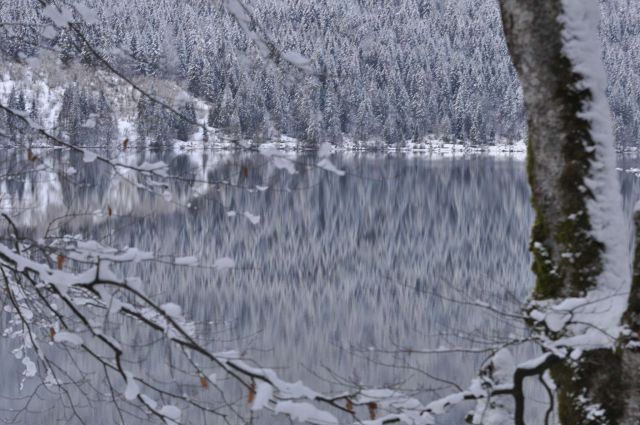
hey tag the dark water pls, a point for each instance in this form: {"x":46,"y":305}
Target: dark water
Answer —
{"x":339,"y":274}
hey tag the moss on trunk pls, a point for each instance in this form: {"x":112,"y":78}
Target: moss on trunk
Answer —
{"x":567,"y":258}
{"x":632,"y":315}
{"x":596,"y":377}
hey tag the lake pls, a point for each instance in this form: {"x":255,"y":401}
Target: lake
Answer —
{"x":340,"y":281}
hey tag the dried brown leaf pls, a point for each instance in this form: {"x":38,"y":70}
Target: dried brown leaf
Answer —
{"x":349,"y":405}
{"x":204,"y":383}
{"x":252,"y":392}
{"x":60,"y":261}
{"x":373,"y":406}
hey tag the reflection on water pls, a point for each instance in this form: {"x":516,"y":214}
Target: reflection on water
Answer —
{"x":336,"y":271}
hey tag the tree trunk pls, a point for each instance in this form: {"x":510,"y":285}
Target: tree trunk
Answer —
{"x":561,"y":149}
{"x":632,"y":316}
{"x":577,"y":242}
{"x":631,"y":358}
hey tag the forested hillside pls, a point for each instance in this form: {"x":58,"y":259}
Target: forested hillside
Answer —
{"x":386,"y":70}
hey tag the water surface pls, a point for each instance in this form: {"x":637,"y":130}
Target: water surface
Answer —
{"x":340,"y":279}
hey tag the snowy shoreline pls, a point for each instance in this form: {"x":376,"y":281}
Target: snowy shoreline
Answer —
{"x":430,"y":149}
{"x":427,"y":148}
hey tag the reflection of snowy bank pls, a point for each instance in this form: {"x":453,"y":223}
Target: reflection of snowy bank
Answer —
{"x":442,"y":149}
{"x":122,"y":196}
{"x":37,"y":196}
{"x":58,"y":186}
{"x":428,"y":148}
{"x":59,"y":183}
{"x":50,"y":185}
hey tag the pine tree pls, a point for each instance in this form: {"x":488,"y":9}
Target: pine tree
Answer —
{"x":16,"y":126}
{"x":185,"y":128}
{"x":67,"y":50}
{"x":219,"y":116}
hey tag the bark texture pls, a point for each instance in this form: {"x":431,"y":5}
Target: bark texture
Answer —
{"x":631,"y":358}
{"x":604,"y":385}
{"x":559,"y":158}
{"x":631,"y":383}
{"x":632,"y":317}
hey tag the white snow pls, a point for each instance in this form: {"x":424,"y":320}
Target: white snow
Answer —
{"x":89,"y":156}
{"x":91,"y":250}
{"x":305,"y":412}
{"x":264,"y":392}
{"x":172,"y":309}
{"x":534,"y":363}
{"x":61,"y":16}
{"x":438,"y":406}
{"x":60,"y":279}
{"x":277,"y":157}
{"x":68,"y":337}
{"x":149,"y":401}
{"x":133,"y":389}
{"x":30,"y":367}
{"x":224,"y":263}
{"x":171,"y":412}
{"x":504,"y":366}
{"x":325,"y":150}
{"x":89,"y":16}
{"x":556,"y":320}
{"x":583,"y":48}
{"x":152,"y":166}
{"x":296,"y":58}
{"x":186,"y":261}
{"x":236,"y":9}
{"x":328,"y":166}
{"x":254,"y":219}
{"x":285,"y":164}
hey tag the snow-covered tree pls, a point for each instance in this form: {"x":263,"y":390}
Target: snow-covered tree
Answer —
{"x":579,"y":240}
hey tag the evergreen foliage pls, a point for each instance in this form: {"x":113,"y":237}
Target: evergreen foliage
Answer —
{"x":394,"y":70}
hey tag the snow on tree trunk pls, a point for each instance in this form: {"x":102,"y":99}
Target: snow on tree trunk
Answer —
{"x":632,"y":316}
{"x":631,"y":359}
{"x":578,"y":241}
{"x":499,"y":370}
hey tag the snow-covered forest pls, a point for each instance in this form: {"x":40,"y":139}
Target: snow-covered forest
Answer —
{"x":390,"y":70}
